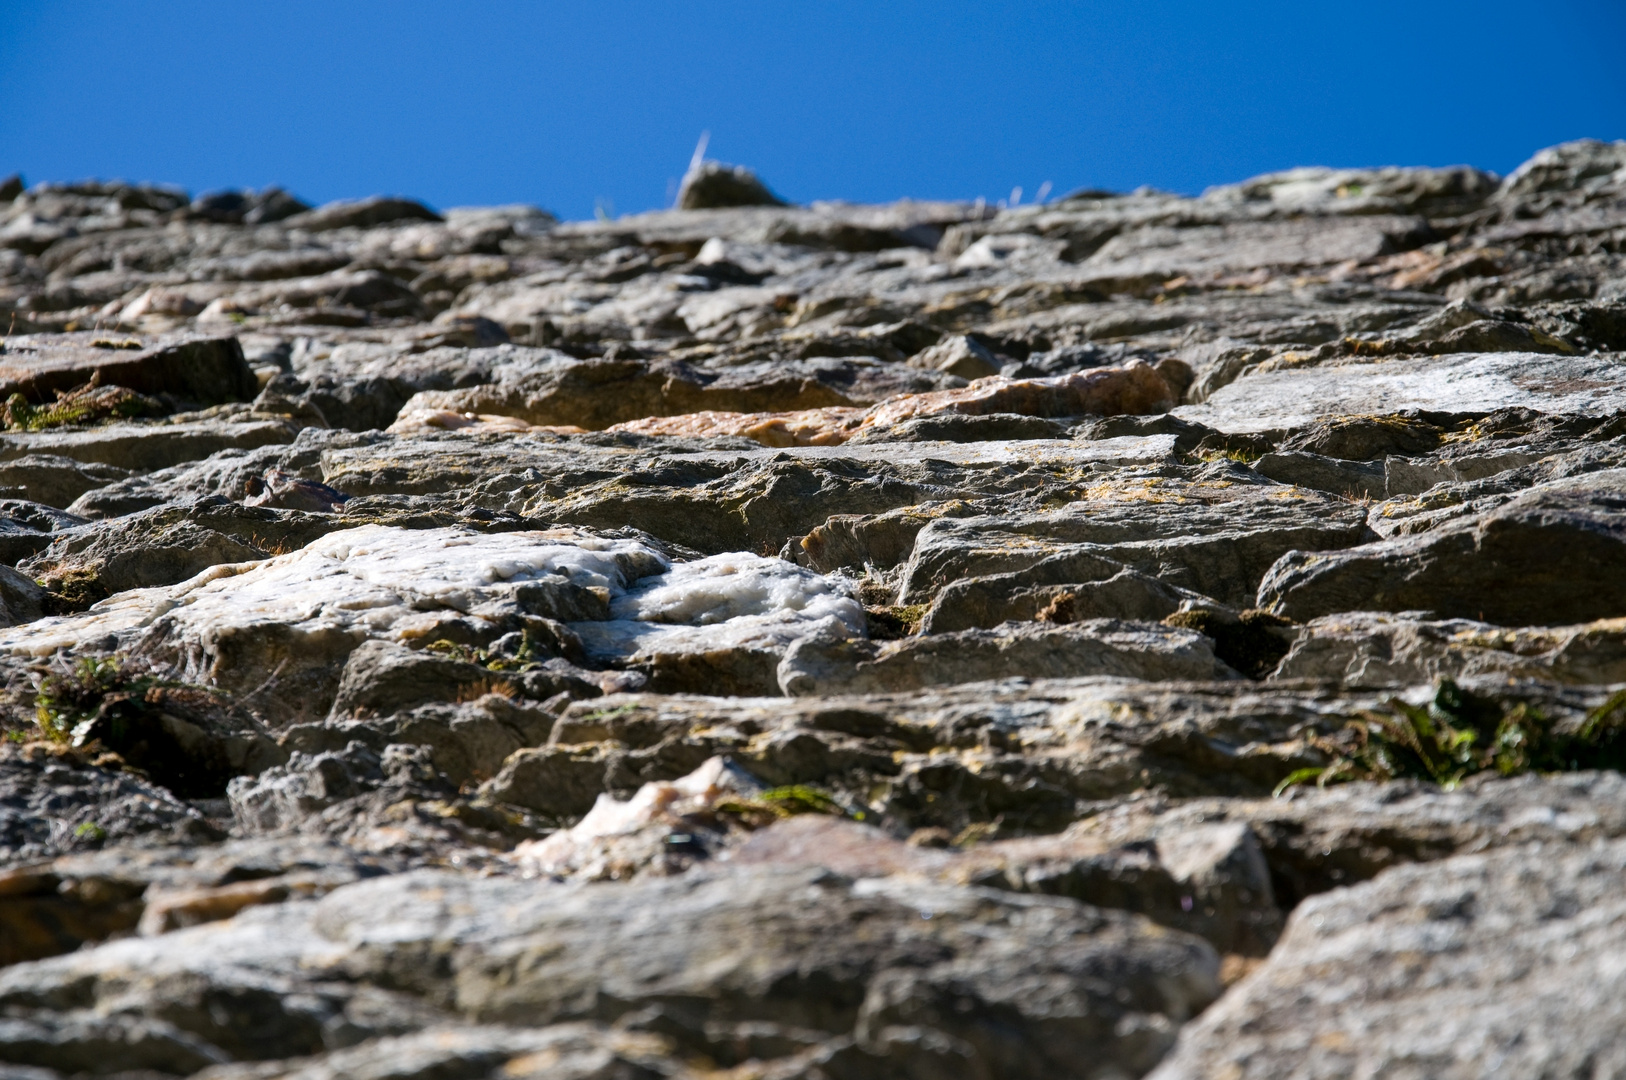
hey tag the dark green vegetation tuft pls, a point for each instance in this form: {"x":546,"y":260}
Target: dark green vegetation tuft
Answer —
{"x":87,"y":404}
{"x":1458,"y":734}
{"x":147,"y":723}
{"x":893,"y":622}
{"x":530,"y":654}
{"x":72,"y":589}
{"x":67,"y":697}
{"x":765,"y":807}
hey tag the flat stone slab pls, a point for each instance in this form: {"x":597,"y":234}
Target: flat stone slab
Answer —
{"x":207,"y":370}
{"x":1473,"y":383}
{"x":143,"y":447}
{"x":1507,"y":964}
{"x":1125,"y":450}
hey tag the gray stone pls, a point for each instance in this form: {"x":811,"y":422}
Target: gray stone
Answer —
{"x":986,"y":982}
{"x":192,"y":368}
{"x":172,"y":543}
{"x":1030,"y":753}
{"x":1063,"y":588}
{"x":1347,"y":478}
{"x":1550,"y":556}
{"x":711,"y":184}
{"x":1208,"y":880}
{"x":1499,"y":963}
{"x":963,"y":356}
{"x":467,"y":740}
{"x":1370,"y":649}
{"x":155,"y":445}
{"x":381,"y":677}
{"x":717,"y":498}
{"x":55,"y":907}
{"x":1290,"y":397}
{"x":232,"y":473}
{"x":1032,"y":650}
{"x":54,"y":480}
{"x":21,"y":598}
{"x":361,"y":213}
{"x":53,"y":801}
{"x":559,"y":1051}
{"x":483,"y":581}
{"x":1215,"y":533}
{"x":596,"y":394}
{"x":1317,"y":839}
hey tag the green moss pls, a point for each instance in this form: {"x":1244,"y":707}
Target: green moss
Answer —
{"x":609,"y":714}
{"x":783,"y":802}
{"x":1458,"y":734}
{"x":1242,"y":455}
{"x":527,"y":658}
{"x":889,"y":622}
{"x":87,"y":404}
{"x":72,"y":590}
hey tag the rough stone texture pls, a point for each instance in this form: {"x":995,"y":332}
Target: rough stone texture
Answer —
{"x":1552,"y":555}
{"x":1367,"y":649}
{"x":171,"y":543}
{"x":824,"y":642}
{"x":54,"y":480}
{"x":960,"y":978}
{"x":816,"y":666}
{"x":209,"y":371}
{"x":55,"y":802}
{"x":181,"y":438}
{"x":1029,"y":755}
{"x":1484,"y":964}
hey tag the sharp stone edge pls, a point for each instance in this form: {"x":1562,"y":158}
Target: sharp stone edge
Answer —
{"x":1122,"y":635}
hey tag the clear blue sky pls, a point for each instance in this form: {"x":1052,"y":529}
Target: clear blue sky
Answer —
{"x":569,"y":104}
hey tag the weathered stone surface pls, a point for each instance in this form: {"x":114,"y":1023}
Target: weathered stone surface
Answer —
{"x":290,"y":622}
{"x":154,"y":445}
{"x":827,"y":642}
{"x":821,"y":665}
{"x":711,"y":498}
{"x":1294,"y":396}
{"x":362,"y":213}
{"x":1552,"y":555}
{"x":57,"y":906}
{"x":986,"y":983}
{"x":1316,"y":839}
{"x":1211,"y":881}
{"x":559,"y":1051}
{"x":711,"y":184}
{"x":233,"y":473}
{"x":57,"y":801}
{"x":468,"y":740}
{"x":172,"y":543}
{"x":21,"y":599}
{"x":382,"y":678}
{"x":202,"y":370}
{"x":596,"y":394}
{"x":1369,"y":649}
{"x":1214,"y":532}
{"x":719,"y":625}
{"x":284,"y":627}
{"x":1064,"y":588}
{"x":54,"y":480}
{"x":1029,"y":753}
{"x":1504,"y":963}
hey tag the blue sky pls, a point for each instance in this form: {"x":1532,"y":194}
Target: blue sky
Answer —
{"x":575,"y":105}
